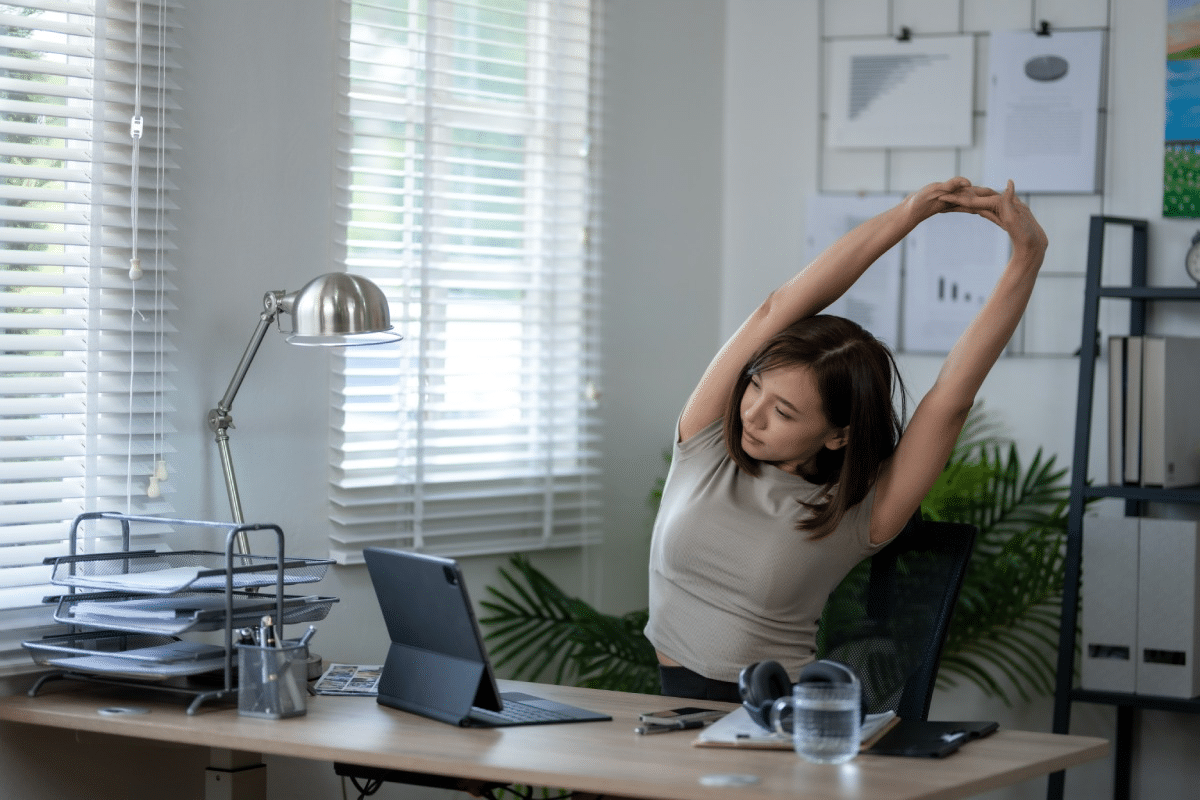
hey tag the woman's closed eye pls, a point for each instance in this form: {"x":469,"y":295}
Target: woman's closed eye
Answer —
{"x":782,"y":411}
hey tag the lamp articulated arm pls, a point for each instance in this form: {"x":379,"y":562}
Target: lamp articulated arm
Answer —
{"x":335,"y":309}
{"x":220,"y":419}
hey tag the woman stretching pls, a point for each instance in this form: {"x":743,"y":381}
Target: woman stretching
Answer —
{"x":789,"y":464}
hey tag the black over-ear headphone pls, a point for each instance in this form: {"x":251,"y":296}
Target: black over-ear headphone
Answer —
{"x":763,"y":682}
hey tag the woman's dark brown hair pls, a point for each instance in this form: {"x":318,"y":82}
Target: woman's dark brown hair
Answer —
{"x":856,"y":378}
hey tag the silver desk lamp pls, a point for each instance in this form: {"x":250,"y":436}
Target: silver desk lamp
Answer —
{"x":335,"y":309}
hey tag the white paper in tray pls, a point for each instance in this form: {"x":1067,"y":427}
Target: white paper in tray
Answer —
{"x":177,"y":579}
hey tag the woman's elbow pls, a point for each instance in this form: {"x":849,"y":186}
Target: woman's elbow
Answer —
{"x":950,"y":405}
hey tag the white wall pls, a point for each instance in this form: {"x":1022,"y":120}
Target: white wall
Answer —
{"x":662,"y":186}
{"x":712,"y":144}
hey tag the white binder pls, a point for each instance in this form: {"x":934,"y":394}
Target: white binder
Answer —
{"x":1168,"y":564}
{"x":1116,"y":410}
{"x":1133,"y":409}
{"x":1110,"y":604}
{"x":1170,"y":415}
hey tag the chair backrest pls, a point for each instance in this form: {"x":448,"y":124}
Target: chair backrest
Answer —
{"x":889,"y":617}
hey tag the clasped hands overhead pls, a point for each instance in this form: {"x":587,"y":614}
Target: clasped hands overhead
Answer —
{"x":1004,"y":209}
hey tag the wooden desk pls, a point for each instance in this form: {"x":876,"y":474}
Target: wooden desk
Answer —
{"x":597,"y":757}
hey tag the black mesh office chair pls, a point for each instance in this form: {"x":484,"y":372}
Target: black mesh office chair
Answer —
{"x":889,"y":617}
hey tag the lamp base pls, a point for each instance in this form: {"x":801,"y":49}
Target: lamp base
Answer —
{"x":316,"y":666}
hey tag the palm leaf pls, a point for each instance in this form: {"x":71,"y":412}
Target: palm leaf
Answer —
{"x":530,"y":633}
{"x":614,"y":654}
{"x":534,"y":629}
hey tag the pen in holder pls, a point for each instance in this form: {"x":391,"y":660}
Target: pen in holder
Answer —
{"x":273,"y":681}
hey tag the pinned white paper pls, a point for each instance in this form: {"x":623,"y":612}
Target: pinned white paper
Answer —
{"x":1043,"y":111}
{"x":889,"y":93}
{"x":873,"y":300}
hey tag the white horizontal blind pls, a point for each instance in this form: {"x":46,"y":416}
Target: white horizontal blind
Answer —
{"x":82,"y":366}
{"x":468,"y":184}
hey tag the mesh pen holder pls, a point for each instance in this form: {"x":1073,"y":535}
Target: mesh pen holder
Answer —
{"x":273,"y":681}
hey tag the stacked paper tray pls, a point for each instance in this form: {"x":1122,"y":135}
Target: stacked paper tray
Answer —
{"x":116,"y":653}
{"x":150,"y":572}
{"x":181,"y":613}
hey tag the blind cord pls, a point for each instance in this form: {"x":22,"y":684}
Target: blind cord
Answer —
{"x":135,"y":263}
{"x":160,"y":465}
{"x":158,"y":471}
{"x":135,"y":133}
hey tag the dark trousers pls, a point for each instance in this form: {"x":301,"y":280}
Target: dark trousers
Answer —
{"x":682,"y":682}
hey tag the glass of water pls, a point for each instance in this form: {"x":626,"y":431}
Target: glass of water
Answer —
{"x":824,"y":720}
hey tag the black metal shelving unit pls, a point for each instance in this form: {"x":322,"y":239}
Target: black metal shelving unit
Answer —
{"x":1140,"y":297}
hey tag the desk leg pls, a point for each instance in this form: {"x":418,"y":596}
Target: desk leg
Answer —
{"x":1123,"y":752}
{"x":235,"y":775}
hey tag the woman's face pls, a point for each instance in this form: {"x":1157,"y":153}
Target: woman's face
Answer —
{"x":783,"y":421}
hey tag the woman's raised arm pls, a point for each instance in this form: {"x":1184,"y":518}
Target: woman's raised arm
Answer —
{"x":930,"y":436}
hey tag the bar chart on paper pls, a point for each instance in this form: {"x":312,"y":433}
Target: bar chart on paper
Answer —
{"x":951,"y":264}
{"x":885,"y":93}
{"x":876,"y":79}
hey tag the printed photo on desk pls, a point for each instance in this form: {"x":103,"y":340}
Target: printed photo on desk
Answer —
{"x":361,"y":680}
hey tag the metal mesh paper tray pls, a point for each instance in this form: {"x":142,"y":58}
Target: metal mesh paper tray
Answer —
{"x":181,"y":613}
{"x":150,"y":572}
{"x":146,"y":656}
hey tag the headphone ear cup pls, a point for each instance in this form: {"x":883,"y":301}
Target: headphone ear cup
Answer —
{"x":827,"y":672}
{"x":832,"y":672}
{"x":760,"y":685}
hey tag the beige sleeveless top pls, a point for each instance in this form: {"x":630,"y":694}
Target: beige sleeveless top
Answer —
{"x":731,"y":579}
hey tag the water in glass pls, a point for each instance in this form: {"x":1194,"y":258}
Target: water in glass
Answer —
{"x":826,"y":720}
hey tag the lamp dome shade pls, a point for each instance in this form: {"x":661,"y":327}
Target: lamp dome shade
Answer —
{"x":339,"y":309}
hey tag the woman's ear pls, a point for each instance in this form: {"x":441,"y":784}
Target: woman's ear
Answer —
{"x":837,"y":440}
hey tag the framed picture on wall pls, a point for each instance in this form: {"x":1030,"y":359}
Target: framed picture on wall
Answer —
{"x":1181,"y":145}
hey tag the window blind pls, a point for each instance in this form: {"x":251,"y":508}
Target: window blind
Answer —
{"x":467,"y":177}
{"x":84,"y":355}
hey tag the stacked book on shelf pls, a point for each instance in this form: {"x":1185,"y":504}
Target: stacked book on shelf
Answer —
{"x":1153,"y":411}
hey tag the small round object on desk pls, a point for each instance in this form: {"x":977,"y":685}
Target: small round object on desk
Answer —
{"x":118,"y":711}
{"x":1192,"y":260}
{"x":727,"y":779}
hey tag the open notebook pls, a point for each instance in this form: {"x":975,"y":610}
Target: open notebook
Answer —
{"x":737,"y":729}
{"x":437,"y":665}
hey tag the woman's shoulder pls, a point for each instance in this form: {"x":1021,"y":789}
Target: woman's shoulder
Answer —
{"x":707,"y":438}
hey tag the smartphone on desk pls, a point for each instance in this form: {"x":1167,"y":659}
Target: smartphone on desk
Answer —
{"x":673,"y":716}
